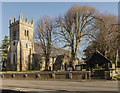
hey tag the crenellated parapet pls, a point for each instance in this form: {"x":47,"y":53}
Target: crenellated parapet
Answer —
{"x":20,"y":21}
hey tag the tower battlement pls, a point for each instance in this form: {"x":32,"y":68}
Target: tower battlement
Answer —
{"x":26,"y":22}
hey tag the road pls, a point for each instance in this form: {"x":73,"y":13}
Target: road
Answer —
{"x":60,"y":86}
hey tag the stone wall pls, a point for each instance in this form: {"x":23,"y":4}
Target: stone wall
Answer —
{"x":49,"y":75}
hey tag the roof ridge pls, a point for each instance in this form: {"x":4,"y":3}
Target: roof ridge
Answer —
{"x":55,"y":47}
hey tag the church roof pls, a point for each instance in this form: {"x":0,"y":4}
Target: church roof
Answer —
{"x":54,"y":53}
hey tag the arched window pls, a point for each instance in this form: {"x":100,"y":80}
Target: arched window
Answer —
{"x":14,"y":43}
{"x":14,"y":59}
{"x":27,"y":33}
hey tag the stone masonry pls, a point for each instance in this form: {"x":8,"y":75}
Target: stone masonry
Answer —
{"x":21,"y":45}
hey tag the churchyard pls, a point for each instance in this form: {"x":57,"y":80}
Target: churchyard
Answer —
{"x":81,"y":44}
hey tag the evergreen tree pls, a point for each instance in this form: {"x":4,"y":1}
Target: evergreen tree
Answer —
{"x":3,"y":51}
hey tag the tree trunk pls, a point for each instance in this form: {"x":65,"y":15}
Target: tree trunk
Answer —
{"x":116,"y":59}
{"x":72,"y":56}
{"x":46,"y":63}
{"x":75,"y":56}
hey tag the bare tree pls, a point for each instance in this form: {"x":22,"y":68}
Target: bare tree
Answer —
{"x":74,"y":26}
{"x":43,"y":37}
{"x":108,"y":33}
{"x":106,"y":38}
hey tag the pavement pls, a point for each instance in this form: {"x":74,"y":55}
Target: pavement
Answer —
{"x":58,"y":86}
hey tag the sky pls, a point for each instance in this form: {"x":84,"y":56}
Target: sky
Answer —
{"x":39,"y":9}
{"x":53,"y":9}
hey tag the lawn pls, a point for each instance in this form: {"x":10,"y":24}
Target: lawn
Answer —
{"x":116,"y":77}
{"x":30,"y":71}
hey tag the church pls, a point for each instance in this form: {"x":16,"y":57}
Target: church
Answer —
{"x":24,"y":54}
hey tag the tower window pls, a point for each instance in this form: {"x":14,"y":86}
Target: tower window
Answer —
{"x":26,"y":46}
{"x":14,"y":59}
{"x":25,"y":32}
{"x":14,"y":35}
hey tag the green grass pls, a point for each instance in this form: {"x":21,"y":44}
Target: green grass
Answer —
{"x":116,"y":77}
{"x":35,"y":71}
{"x":60,"y":70}
{"x":99,"y":69}
{"x":30,"y":71}
{"x":83,"y":69}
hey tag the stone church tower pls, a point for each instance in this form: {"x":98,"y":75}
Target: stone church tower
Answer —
{"x":21,"y":45}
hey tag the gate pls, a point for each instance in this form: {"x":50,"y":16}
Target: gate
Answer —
{"x":98,"y":74}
